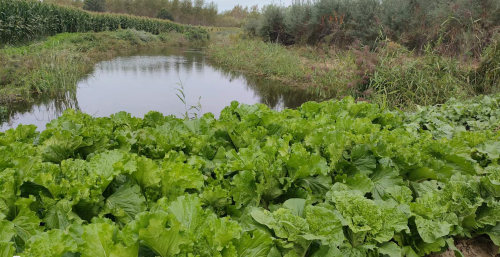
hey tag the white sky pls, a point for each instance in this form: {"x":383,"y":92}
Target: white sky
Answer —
{"x":229,"y":4}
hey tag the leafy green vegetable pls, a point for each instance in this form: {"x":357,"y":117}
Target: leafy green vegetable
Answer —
{"x":337,"y":178}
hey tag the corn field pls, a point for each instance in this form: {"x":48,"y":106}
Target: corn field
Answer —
{"x":27,"y":20}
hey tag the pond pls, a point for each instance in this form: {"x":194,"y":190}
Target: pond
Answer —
{"x":148,"y":81}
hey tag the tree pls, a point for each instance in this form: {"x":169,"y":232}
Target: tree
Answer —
{"x":94,"y":5}
{"x":186,"y":11}
{"x":164,"y":14}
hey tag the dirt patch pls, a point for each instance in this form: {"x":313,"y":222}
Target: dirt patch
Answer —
{"x":477,"y":247}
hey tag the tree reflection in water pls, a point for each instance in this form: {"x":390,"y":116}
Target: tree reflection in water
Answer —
{"x":42,"y":107}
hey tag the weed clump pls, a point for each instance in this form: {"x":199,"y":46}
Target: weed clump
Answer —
{"x":486,"y":78}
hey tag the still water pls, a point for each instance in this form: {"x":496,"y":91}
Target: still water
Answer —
{"x":144,"y":81}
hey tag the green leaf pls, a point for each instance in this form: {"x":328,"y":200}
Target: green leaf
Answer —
{"x":390,"y":248}
{"x":125,"y":203}
{"x":10,"y":184}
{"x":492,"y":149}
{"x":222,"y":232}
{"x":384,"y":178}
{"x":257,"y":244}
{"x":108,"y":165}
{"x":99,"y":242}
{"x":493,"y":232}
{"x":428,"y":248}
{"x":7,"y":231}
{"x":302,"y":164}
{"x":23,"y":133}
{"x":178,"y":176}
{"x":317,"y":185}
{"x":360,"y":182}
{"x":54,"y":243}
{"x":430,"y":231}
{"x":60,"y":146}
{"x":488,"y":214}
{"x":147,"y":174}
{"x":187,"y":210}
{"x":324,"y":225}
{"x":164,"y":241}
{"x":451,"y":245}
{"x":59,"y":214}
{"x":244,"y":189}
{"x":369,"y":220}
{"x":7,"y":249}
{"x":327,"y":251}
{"x":400,"y":194}
{"x":295,"y":205}
{"x":26,"y":223}
{"x":363,"y":159}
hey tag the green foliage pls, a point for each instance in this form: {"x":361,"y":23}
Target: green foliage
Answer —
{"x":405,"y":81}
{"x":272,"y":27}
{"x":486,"y":77}
{"x":336,"y":178}
{"x":94,"y":5}
{"x":26,"y":20}
{"x":454,"y":27}
{"x":164,"y":14}
{"x":390,"y":74}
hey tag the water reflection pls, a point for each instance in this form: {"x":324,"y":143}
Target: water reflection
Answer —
{"x":145,"y":81}
{"x":39,"y":111}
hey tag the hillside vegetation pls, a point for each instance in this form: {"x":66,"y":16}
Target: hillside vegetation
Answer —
{"x":23,"y":21}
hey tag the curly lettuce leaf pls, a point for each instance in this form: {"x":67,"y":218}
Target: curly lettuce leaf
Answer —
{"x":53,"y":243}
{"x":99,"y":241}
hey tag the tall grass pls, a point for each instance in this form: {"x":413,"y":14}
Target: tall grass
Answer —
{"x":486,"y":78}
{"x":389,"y":74}
{"x":26,"y":20}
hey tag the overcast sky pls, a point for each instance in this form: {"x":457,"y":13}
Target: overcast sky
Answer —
{"x":229,"y":4}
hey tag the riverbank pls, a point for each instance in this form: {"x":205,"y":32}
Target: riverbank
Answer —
{"x":390,"y":75}
{"x":58,"y":62}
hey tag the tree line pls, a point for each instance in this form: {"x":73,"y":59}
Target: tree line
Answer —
{"x":450,"y":26}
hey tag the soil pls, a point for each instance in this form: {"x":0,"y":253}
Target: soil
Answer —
{"x":477,"y":247}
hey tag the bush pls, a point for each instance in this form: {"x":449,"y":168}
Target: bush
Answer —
{"x":252,"y":27}
{"x":452,"y":26}
{"x":273,"y":27}
{"x":94,"y":5}
{"x":164,"y":14}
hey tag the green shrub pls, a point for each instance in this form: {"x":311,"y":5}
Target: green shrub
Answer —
{"x":94,"y":5}
{"x":164,"y":14}
{"x":252,"y":27}
{"x":273,"y":27}
{"x":453,"y":26}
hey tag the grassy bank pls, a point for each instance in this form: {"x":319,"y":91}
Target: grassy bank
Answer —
{"x":390,"y":74}
{"x":58,"y":62}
